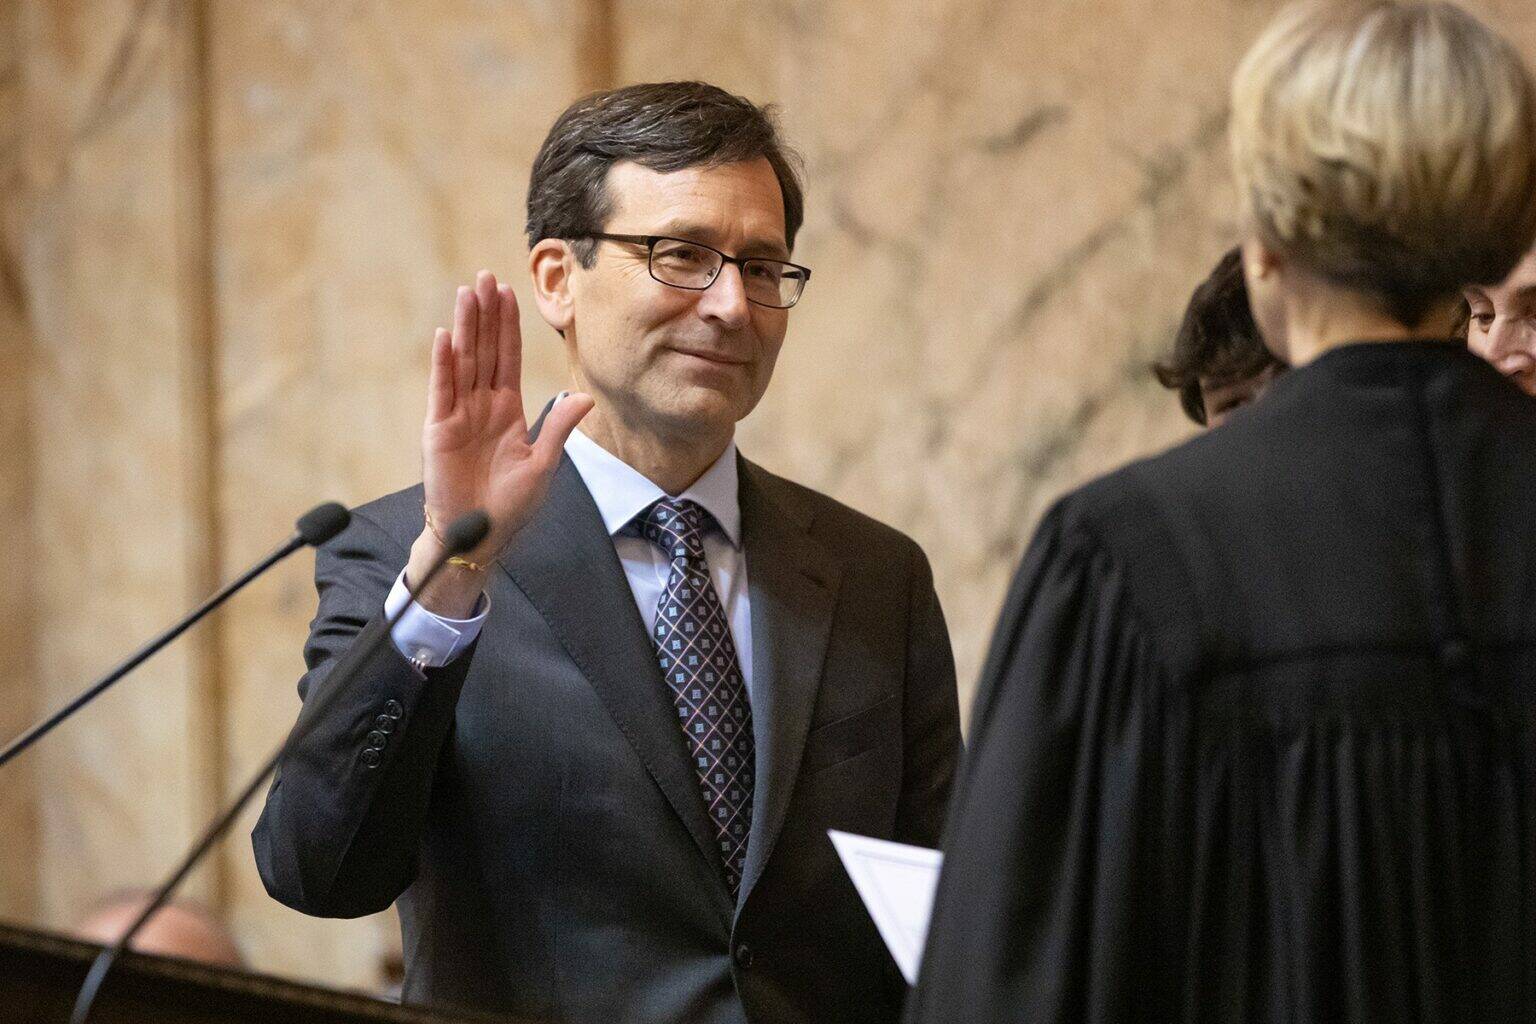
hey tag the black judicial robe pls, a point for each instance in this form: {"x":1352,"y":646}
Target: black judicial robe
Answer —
{"x":1255,"y":741}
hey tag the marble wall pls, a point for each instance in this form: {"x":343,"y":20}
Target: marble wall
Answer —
{"x":18,"y":794}
{"x":93,"y":236}
{"x":229,"y":229}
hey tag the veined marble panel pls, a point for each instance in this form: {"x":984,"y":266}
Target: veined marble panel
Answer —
{"x":369,"y":157}
{"x":94,"y":212}
{"x":18,"y":794}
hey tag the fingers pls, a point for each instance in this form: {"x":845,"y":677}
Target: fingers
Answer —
{"x":486,"y":341}
{"x":509,"y":347}
{"x":562,"y":419}
{"x":440,"y":377}
{"x":466,"y":326}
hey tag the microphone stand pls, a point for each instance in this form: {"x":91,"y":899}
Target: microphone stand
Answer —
{"x":462,"y":535}
{"x":317,"y":526}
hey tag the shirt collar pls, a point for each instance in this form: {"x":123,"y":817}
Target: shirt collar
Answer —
{"x":622,"y":492}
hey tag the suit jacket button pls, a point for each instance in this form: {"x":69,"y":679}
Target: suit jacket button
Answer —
{"x":376,"y":740}
{"x":370,"y":757}
{"x":393,"y":709}
{"x":744,"y":956}
{"x":384,"y":724}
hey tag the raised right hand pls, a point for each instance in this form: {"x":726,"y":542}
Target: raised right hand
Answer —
{"x":474,"y":444}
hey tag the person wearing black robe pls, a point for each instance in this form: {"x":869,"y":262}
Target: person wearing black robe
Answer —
{"x":1256,"y":737}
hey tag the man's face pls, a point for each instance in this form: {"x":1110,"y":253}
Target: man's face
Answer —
{"x":1221,"y":400}
{"x":668,"y":361}
{"x":1503,"y":325}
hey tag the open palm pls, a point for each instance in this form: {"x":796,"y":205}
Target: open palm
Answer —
{"x":475,"y":448}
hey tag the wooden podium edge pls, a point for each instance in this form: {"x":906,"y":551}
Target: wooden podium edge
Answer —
{"x":230,"y":981}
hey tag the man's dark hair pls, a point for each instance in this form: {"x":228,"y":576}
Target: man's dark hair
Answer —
{"x":1462,"y":325}
{"x":664,"y":126}
{"x":1217,"y":341}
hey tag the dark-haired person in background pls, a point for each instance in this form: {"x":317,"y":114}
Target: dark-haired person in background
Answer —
{"x":598,"y":765}
{"x":1256,"y":738}
{"x":1219,"y":361}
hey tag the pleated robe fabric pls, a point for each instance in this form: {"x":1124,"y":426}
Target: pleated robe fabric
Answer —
{"x":1254,"y":741}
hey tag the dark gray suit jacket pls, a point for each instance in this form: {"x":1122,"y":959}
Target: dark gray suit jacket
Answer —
{"x":533,"y":807}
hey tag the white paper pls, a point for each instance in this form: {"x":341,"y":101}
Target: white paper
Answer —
{"x":896,"y":883}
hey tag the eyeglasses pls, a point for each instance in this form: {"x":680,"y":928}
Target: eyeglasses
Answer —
{"x":692,"y":265}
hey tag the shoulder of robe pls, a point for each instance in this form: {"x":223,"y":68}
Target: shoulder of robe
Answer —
{"x":1144,"y":522}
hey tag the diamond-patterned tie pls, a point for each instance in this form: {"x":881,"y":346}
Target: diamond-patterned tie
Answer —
{"x":698,"y":660}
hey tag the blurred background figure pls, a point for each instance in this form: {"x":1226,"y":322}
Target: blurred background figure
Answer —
{"x":1219,"y":361}
{"x":1255,"y":738}
{"x":179,"y":929}
{"x":1501,"y":323}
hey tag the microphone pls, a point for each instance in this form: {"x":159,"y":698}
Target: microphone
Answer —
{"x":320,"y":524}
{"x":314,"y":528}
{"x":462,"y":535}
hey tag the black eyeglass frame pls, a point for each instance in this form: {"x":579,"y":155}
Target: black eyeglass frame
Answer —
{"x":649,"y":241}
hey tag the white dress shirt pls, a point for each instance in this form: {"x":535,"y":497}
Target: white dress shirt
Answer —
{"x":621,"y":493}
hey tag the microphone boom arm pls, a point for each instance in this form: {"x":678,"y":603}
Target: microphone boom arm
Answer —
{"x":462,"y":535}
{"x":138,"y":657}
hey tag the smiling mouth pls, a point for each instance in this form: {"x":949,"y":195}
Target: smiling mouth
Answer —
{"x":711,"y":357}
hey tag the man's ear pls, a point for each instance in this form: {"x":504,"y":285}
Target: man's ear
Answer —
{"x":550,"y":263}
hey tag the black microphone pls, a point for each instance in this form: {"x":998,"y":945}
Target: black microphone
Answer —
{"x":314,"y":527}
{"x":462,"y":535}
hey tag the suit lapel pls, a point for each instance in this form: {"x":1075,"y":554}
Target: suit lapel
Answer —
{"x":564,"y":562}
{"x":792,"y":582}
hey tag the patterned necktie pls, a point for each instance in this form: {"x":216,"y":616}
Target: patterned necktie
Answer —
{"x":698,"y":661}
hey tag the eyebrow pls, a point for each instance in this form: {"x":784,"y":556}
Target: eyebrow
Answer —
{"x":768,"y":247}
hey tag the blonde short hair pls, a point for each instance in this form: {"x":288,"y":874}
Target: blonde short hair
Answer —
{"x":1388,"y":147}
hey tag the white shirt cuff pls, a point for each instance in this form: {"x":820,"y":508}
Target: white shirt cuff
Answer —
{"x":429,"y":639}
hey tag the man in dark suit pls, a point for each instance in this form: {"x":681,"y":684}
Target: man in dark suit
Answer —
{"x":597,"y":764}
